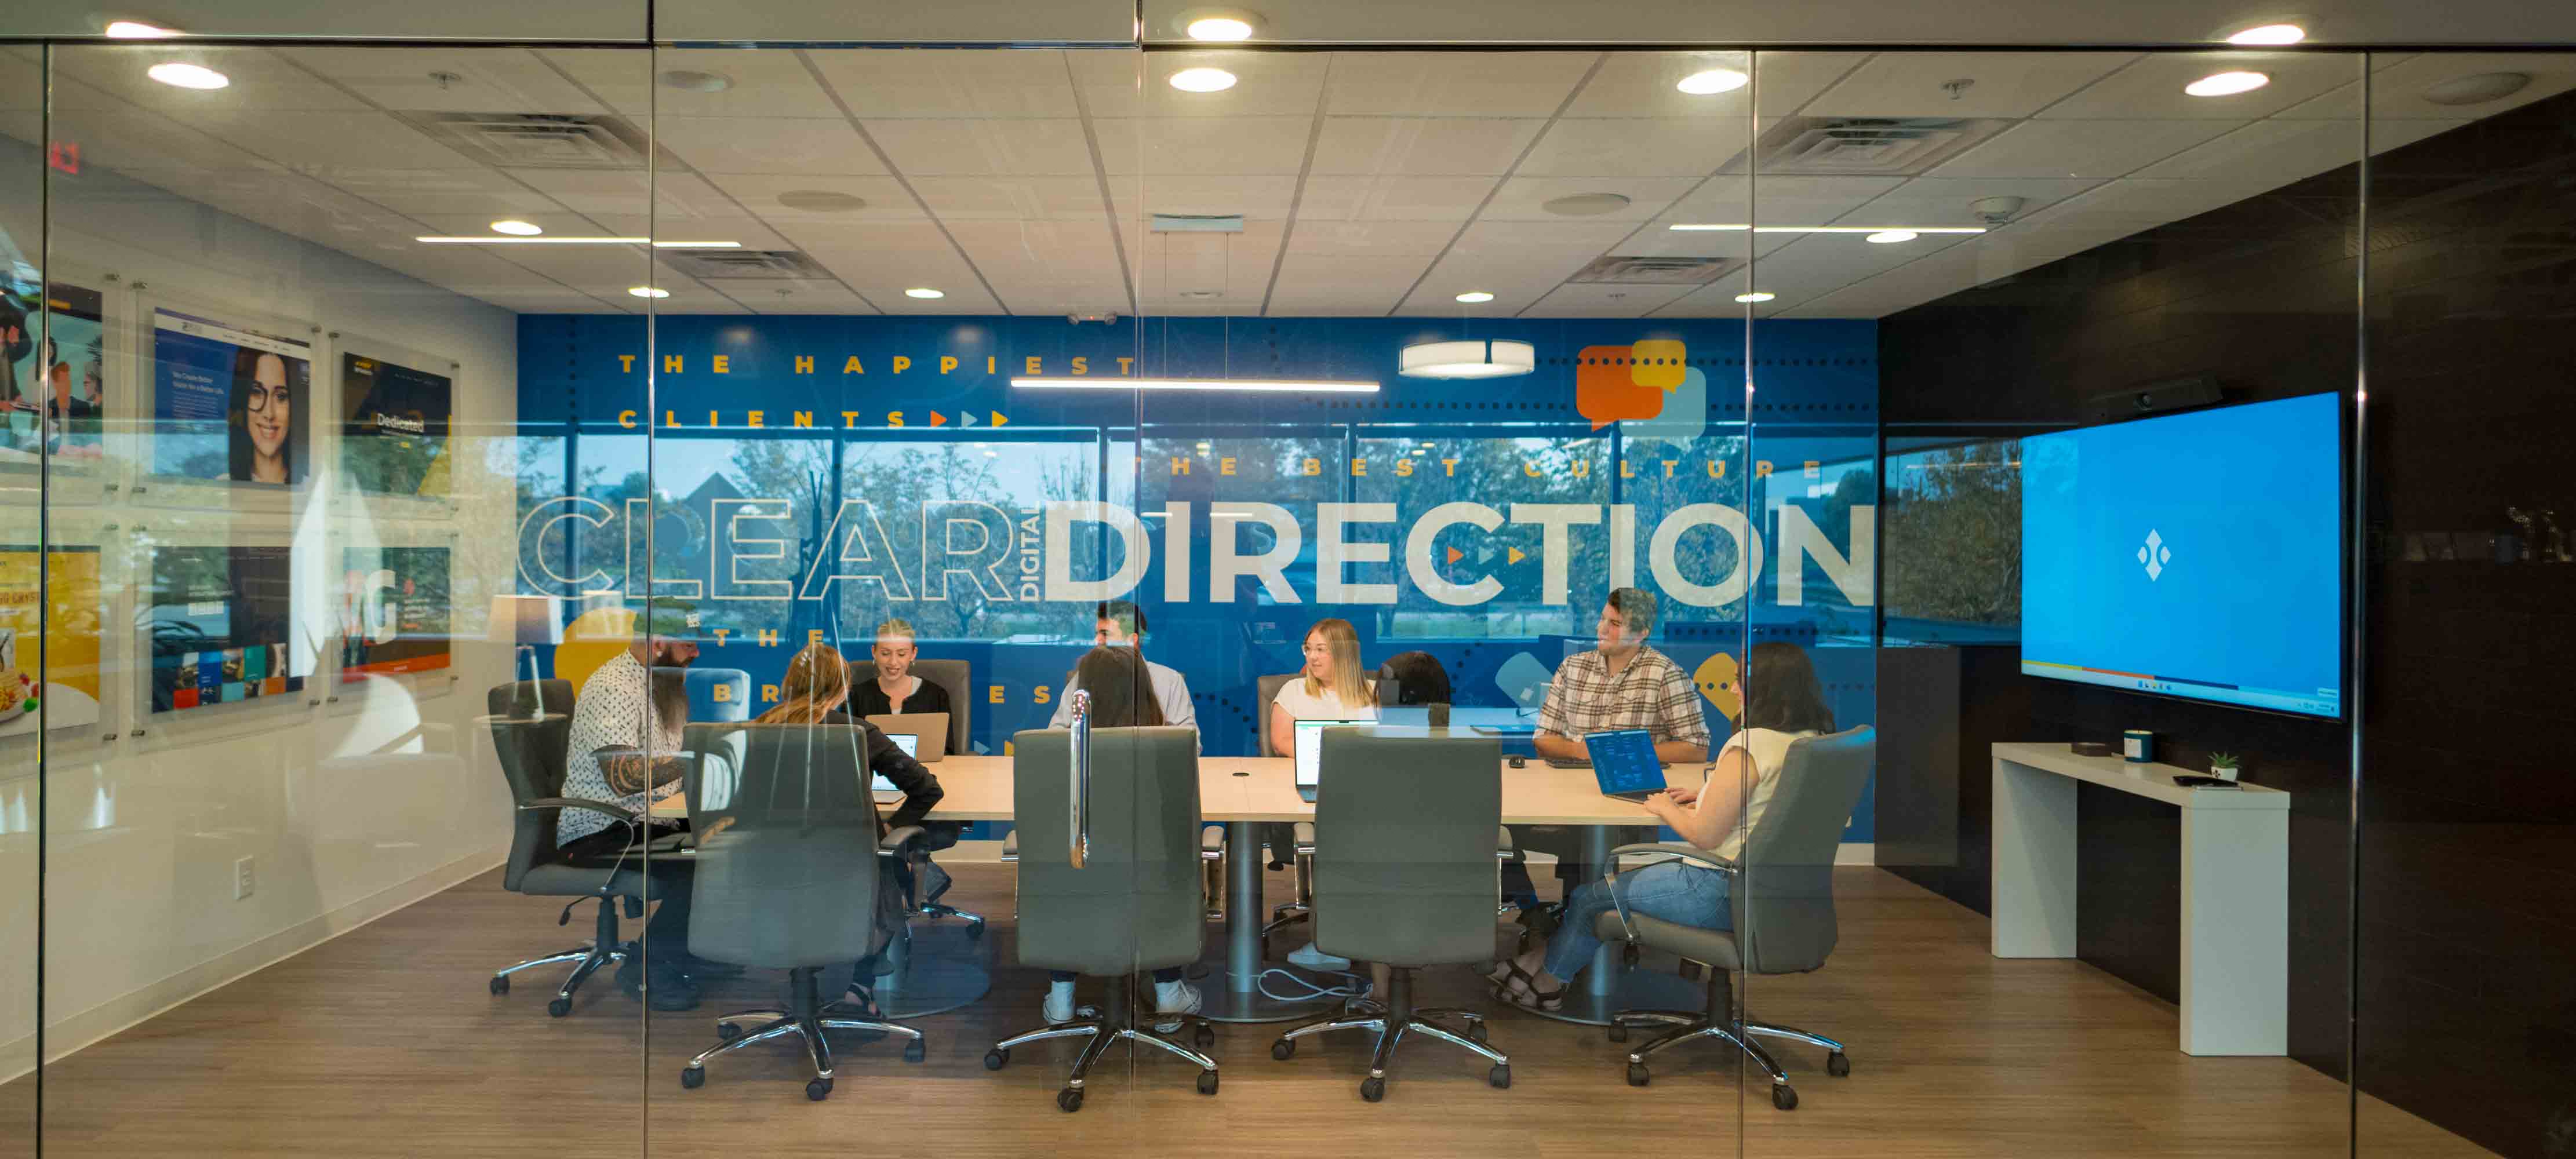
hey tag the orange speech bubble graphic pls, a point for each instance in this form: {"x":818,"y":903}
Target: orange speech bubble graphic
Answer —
{"x":1605,"y":388}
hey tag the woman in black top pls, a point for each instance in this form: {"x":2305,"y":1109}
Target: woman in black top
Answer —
{"x":896,"y":689}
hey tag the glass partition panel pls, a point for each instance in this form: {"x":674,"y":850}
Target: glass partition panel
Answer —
{"x":24,"y":376}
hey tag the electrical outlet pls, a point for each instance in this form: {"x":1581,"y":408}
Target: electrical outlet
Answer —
{"x":244,"y":881}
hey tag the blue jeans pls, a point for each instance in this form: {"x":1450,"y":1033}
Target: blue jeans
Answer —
{"x":1669,"y":890}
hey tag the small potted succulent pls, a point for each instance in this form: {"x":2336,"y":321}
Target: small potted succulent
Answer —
{"x":2223,"y":766}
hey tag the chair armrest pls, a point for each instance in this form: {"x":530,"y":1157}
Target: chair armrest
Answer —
{"x":1506,"y":849}
{"x":620,"y":813}
{"x":910,"y":844}
{"x":1011,"y":845}
{"x":1690,"y":853}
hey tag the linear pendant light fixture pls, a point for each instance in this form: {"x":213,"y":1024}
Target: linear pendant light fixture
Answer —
{"x":1272,"y":386}
{"x":1478,"y":358}
{"x":552,"y":240}
{"x":1698,"y":227}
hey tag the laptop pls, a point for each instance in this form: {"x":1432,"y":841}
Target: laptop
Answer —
{"x":911,"y":746}
{"x":1309,"y":747}
{"x":1624,"y":763}
{"x":930,"y":727}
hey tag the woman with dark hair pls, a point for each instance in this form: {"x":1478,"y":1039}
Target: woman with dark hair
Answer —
{"x":1122,"y":696}
{"x":1415,"y":678}
{"x":1783,"y":702}
{"x":262,"y":416}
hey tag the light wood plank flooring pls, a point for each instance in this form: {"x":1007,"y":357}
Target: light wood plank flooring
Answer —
{"x":385,"y":1043}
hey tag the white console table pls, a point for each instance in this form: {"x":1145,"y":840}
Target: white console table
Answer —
{"x":2235,"y":886}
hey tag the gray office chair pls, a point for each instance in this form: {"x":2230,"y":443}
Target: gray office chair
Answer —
{"x":953,"y":676}
{"x":1132,"y":904}
{"x":1404,"y":875}
{"x":531,"y":723}
{"x":786,"y":878}
{"x":1782,"y":895}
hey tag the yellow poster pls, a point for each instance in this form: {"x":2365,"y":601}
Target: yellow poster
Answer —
{"x":49,"y":639}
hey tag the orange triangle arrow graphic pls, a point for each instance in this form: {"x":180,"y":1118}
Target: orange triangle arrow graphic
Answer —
{"x":1455,"y":555}
{"x":998,"y":419}
{"x":1514,"y":555}
{"x":938,"y":419}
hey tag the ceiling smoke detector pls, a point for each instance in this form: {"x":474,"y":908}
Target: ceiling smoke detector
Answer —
{"x":1997,"y":210}
{"x":2477,"y":89}
{"x":1586,"y":204}
{"x":822,"y":201}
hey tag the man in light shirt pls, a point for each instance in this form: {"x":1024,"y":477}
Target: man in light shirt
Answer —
{"x":1122,"y":624}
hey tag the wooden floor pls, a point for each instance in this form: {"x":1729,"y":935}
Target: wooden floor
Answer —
{"x":385,"y":1043}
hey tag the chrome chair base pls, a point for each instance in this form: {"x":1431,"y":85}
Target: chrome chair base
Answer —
{"x":974,"y":921}
{"x":602,"y":950}
{"x":1744,"y":1035}
{"x":1106,"y":1028}
{"x":1392,"y":1023}
{"x":809,"y":1022}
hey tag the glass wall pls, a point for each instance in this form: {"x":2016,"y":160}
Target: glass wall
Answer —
{"x":463,"y":495}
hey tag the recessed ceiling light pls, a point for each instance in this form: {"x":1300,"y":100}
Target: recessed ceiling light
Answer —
{"x":1715,"y":80}
{"x":692,"y":80}
{"x":924,"y":292}
{"x":1202,"y":80}
{"x":1887,"y":236}
{"x":517,"y":228}
{"x":137,"y":30}
{"x":1756,"y":296}
{"x":1472,"y":297}
{"x":822,"y":201}
{"x":187,"y":76}
{"x":648,"y":291}
{"x":1220,"y":28}
{"x":2477,"y":89}
{"x":2270,"y":34}
{"x":2227,"y":84}
{"x":1586,"y":204}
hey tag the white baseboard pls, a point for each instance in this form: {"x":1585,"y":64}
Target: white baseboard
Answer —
{"x":74,"y":1032}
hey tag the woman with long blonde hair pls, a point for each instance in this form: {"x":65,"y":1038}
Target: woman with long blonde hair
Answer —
{"x":1333,"y":686}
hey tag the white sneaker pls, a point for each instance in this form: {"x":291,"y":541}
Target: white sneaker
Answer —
{"x":1313,"y":959}
{"x":1175,"y":998}
{"x":1059,"y":1002}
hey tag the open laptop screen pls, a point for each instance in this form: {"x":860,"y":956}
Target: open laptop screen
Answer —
{"x":911,"y":745}
{"x":1309,"y":747}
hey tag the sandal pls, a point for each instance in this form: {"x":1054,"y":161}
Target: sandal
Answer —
{"x":1520,"y":988}
{"x":861,"y":1002}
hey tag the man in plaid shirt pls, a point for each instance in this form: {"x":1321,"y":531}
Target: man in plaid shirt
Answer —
{"x":1621,"y":684}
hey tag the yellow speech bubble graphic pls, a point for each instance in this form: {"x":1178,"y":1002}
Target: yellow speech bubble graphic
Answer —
{"x":1716,"y":678}
{"x":1659,"y":363}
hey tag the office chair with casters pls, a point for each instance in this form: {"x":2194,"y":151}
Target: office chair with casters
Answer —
{"x":953,"y":676}
{"x":786,"y":878}
{"x":1782,"y":895}
{"x":1404,"y":875}
{"x":531,"y":722}
{"x":1109,"y":882}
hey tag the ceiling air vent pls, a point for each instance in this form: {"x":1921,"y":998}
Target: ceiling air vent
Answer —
{"x":1656,"y":271}
{"x":1868,"y":146}
{"x":538,"y":140}
{"x":745,"y":265}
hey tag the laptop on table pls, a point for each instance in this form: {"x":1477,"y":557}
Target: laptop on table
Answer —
{"x":930,"y":727}
{"x":1624,"y":763}
{"x":1308,"y":744}
{"x":911,"y":745}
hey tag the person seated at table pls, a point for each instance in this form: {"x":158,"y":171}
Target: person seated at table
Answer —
{"x":1783,"y":702}
{"x":1333,"y":686}
{"x":1113,"y":674}
{"x":623,"y":749}
{"x":896,"y":689}
{"x":815,"y":690}
{"x":1121,"y":624}
{"x":1621,"y":683}
{"x":1414,"y":679}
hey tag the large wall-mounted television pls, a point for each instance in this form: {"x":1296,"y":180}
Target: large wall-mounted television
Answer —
{"x":2196,"y":555}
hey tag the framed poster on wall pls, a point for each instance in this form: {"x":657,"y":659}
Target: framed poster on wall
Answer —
{"x":221,"y":622}
{"x":53,"y":368}
{"x":232,"y":401}
{"x":51,"y":629}
{"x":393,"y":437}
{"x":395,"y":612}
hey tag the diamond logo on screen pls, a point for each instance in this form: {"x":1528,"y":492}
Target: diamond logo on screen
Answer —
{"x":2155,"y":555}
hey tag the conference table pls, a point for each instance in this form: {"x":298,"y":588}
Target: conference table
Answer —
{"x":1241,"y":793}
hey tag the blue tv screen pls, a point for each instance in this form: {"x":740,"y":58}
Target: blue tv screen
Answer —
{"x":2197,"y":555}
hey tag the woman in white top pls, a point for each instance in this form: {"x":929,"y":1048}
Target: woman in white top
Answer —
{"x":1783,"y":702}
{"x":1333,"y":687}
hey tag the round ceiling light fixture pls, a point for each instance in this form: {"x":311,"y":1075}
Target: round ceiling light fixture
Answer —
{"x":2227,"y":84}
{"x":1220,"y":28}
{"x":1892,"y":236}
{"x":822,"y":201}
{"x":648,"y":291}
{"x":924,"y":292}
{"x":2477,"y":89}
{"x":2269,"y":34}
{"x":1473,"y":297}
{"x":138,"y":30}
{"x":1756,"y":296}
{"x":1474,"y":359}
{"x":1714,"y":80}
{"x":187,"y":76}
{"x":1586,"y":204}
{"x":692,"y":80}
{"x":1202,"y":80}
{"x":517,"y":228}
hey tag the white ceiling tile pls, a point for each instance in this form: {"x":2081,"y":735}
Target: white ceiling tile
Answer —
{"x":1642,"y":84}
{"x":826,"y":145}
{"x":1251,"y":146}
{"x":903,"y":243}
{"x":1595,"y":300}
{"x":1798,"y":200}
{"x":1012,"y":198}
{"x":1256,"y":198}
{"x":453,"y":79}
{"x":1370,"y":238}
{"x":1422,"y":146}
{"x":884,"y":83}
{"x":762,"y":82}
{"x":1526,"y":198}
{"x":797,"y":297}
{"x":486,"y":193}
{"x":319,"y":138}
{"x":1453,"y":83}
{"x":733,"y":226}
{"x":1548,"y":237}
{"x":2079,"y":148}
{"x":2151,"y":87}
{"x":113,"y":76}
{"x":1339,"y":198}
{"x":1944,"y":201}
{"x":984,"y":148}
{"x":2006,"y":84}
{"x":1267,"y":84}
{"x":1788,"y":81}
{"x":2273,"y":151}
{"x":630,"y":193}
{"x":1642,"y":147}
{"x":2397,"y":91}
{"x":885,"y":197}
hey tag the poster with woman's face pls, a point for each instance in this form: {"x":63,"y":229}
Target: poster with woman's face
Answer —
{"x":51,"y":371}
{"x":230,"y":402}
